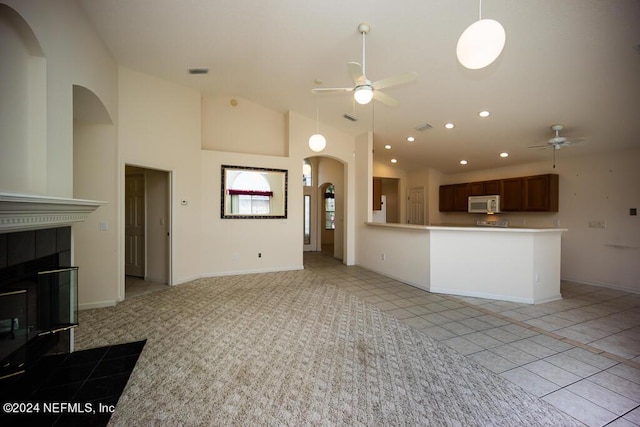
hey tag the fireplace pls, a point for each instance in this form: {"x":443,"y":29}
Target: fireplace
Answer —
{"x":38,"y":284}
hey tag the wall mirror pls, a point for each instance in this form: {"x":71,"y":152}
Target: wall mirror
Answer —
{"x":249,"y":192}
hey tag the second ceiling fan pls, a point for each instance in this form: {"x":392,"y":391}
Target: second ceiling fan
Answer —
{"x":364,"y":89}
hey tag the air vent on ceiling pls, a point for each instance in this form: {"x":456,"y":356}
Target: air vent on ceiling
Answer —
{"x":198,"y":71}
{"x":424,"y":126}
{"x":350,"y":117}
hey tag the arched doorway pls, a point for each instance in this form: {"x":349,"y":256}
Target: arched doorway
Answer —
{"x":322,"y":176}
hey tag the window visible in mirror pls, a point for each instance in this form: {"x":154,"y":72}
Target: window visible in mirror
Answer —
{"x":253,"y":192}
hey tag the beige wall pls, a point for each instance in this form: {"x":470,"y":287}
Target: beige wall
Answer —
{"x":245,"y":127}
{"x":160,"y":129}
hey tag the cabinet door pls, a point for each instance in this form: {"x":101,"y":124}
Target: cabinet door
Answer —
{"x":446,"y":198}
{"x":541,"y":193}
{"x":511,"y":194}
{"x":491,"y":188}
{"x":377,"y":194}
{"x":477,"y":189}
{"x":461,"y":197}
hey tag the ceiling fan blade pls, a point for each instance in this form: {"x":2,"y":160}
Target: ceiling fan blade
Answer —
{"x":397,"y":80}
{"x":332,"y":90}
{"x":356,"y":73}
{"x":385,"y":99}
{"x":540,"y":147}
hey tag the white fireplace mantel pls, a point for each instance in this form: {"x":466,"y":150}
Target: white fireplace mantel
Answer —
{"x":20,"y":212}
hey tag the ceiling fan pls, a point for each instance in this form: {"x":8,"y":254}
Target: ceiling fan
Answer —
{"x":557,"y":142}
{"x":364,"y":89}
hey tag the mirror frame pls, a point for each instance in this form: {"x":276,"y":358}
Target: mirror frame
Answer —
{"x":281,"y":178}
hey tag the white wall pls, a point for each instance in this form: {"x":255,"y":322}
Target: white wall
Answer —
{"x":160,"y":129}
{"x":231,"y":246}
{"x":74,"y":55}
{"x":245,"y":127}
{"x":339,"y":147}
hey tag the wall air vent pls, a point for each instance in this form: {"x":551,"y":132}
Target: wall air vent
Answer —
{"x":350,"y":117}
{"x":198,"y":71}
{"x":423,"y":127}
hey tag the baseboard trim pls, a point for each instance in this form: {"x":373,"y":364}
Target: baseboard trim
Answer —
{"x":509,"y":298}
{"x":98,"y":304}
{"x":601,"y":285}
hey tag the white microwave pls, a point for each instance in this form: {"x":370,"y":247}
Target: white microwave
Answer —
{"x":484,"y":204}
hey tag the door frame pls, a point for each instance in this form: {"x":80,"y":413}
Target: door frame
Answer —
{"x":169,"y":222}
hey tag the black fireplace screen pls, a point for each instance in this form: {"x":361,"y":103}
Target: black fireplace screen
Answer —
{"x":34,"y":308}
{"x":57,"y":300}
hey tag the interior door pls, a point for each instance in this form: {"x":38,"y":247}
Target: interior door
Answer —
{"x":416,"y":206}
{"x":134,"y":225}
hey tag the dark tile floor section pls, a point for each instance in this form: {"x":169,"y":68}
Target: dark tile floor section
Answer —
{"x":79,"y":388}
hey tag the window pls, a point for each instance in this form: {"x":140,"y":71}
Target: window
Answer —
{"x":330,"y":208}
{"x":256,"y":201}
{"x":307,"y":219}
{"x":306,"y":173}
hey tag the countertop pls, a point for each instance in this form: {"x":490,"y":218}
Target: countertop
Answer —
{"x":469,"y":227}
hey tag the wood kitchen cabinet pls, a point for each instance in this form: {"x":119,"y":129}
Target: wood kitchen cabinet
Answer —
{"x":377,"y":194}
{"x":461,"y":197}
{"x":454,"y":198}
{"x":537,"y":193}
{"x":484,"y":188}
{"x":511,"y":194}
{"x":446,"y":198}
{"x":541,"y":193}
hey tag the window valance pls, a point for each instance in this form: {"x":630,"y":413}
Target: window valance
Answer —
{"x":233,"y":192}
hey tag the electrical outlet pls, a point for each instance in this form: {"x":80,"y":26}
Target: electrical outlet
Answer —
{"x":383,"y":256}
{"x":597,"y":224}
{"x":259,"y":254}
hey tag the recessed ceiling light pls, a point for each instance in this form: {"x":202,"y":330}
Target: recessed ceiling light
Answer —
{"x":484,"y":113}
{"x":449,"y":125}
{"x":388,"y":147}
{"x":410,"y":139}
{"x":463,"y":162}
{"x":504,"y":154}
{"x":394,"y":160}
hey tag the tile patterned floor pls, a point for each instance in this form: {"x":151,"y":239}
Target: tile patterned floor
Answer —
{"x":580,"y":354}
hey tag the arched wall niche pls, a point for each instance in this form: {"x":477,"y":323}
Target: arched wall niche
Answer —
{"x":23,"y":107}
{"x":88,"y":107}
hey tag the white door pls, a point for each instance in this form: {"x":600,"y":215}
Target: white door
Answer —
{"x":134,"y":225}
{"x":416,"y":206}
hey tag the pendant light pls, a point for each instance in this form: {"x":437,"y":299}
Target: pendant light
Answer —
{"x":481,"y":43}
{"x":317,"y":141}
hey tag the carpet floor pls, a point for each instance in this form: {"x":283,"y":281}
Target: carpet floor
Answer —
{"x":288,"y":348}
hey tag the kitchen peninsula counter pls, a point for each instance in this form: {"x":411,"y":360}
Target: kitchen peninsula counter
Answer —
{"x":504,"y":263}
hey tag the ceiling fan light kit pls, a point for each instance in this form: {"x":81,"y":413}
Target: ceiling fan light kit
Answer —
{"x":365,"y":90}
{"x":363,"y":94}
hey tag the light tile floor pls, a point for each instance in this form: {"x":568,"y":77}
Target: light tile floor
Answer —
{"x":580,"y":354}
{"x":134,"y":286}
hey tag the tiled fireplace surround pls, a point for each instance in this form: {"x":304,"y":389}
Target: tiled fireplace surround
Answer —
{"x":35,"y":235}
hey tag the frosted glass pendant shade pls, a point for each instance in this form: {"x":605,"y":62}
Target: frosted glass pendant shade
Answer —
{"x":317,"y":142}
{"x":363,"y":94}
{"x":481,"y":44}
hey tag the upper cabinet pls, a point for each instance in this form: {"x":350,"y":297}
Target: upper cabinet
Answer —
{"x":537,"y":193}
{"x":511,"y":195}
{"x":454,"y":198}
{"x":541,"y":193}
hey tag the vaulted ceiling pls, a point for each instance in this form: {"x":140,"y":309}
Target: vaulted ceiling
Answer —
{"x":573,"y":62}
